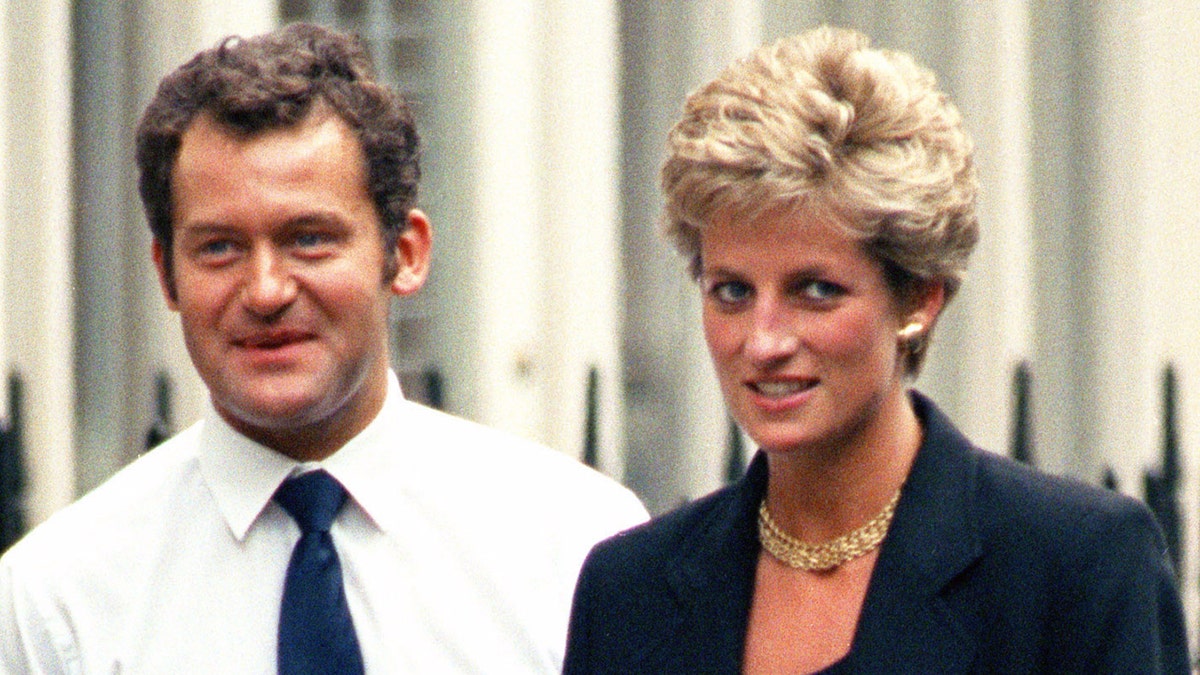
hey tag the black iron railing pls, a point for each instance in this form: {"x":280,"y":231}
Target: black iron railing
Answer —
{"x":12,"y":467}
{"x":161,"y":426}
{"x":591,"y":419}
{"x":435,"y":394}
{"x":735,"y":462}
{"x":1162,"y":484}
{"x":1021,"y":445}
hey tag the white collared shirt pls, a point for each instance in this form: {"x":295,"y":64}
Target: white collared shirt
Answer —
{"x":459,"y":546}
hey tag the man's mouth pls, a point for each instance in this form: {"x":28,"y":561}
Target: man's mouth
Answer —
{"x":272,"y":339}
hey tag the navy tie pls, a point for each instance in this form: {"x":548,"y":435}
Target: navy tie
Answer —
{"x":316,"y":633}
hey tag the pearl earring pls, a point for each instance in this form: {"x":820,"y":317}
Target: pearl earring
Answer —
{"x":912,"y":337}
{"x":911,"y":332}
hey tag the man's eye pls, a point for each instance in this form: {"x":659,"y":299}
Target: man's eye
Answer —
{"x":730,"y":292}
{"x":215,"y":248}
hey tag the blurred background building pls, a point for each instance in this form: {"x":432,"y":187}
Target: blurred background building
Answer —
{"x":554,"y":309}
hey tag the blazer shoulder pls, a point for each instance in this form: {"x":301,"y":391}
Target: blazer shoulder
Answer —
{"x":1017,"y":506}
{"x":670,"y":595}
{"x":1090,"y":563}
{"x":656,"y":541}
{"x":1058,"y":513}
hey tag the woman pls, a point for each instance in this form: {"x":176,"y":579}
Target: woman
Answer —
{"x":824,"y":194}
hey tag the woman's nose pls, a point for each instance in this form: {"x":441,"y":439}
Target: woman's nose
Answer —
{"x":772,"y":337}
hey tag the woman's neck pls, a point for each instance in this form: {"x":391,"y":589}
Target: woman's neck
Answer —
{"x":818,"y":493}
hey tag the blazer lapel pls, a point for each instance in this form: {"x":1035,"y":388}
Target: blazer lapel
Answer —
{"x":911,"y":620}
{"x":910,"y":623}
{"x":713,"y":579}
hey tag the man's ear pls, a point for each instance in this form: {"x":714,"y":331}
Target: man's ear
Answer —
{"x":166,"y":279}
{"x":414,"y":247}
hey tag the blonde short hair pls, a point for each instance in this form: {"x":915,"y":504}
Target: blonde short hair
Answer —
{"x":822,"y":120}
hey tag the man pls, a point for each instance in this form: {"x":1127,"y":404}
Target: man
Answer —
{"x":279,"y":178}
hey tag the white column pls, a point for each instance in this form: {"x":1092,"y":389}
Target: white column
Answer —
{"x":6,"y":171}
{"x":1127,"y":248}
{"x":676,"y":420}
{"x":506,"y":270}
{"x":168,"y":35}
{"x":106,"y":242}
{"x":1061,"y":270}
{"x":656,"y":72}
{"x":38,"y":319}
{"x":1172,"y":189}
{"x":580,"y":225}
{"x":723,"y":30}
{"x":990,"y":323}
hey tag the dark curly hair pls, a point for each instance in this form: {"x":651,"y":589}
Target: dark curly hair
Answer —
{"x":271,"y":81}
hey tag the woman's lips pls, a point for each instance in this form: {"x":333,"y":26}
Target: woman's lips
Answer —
{"x":777,"y":389}
{"x":780,"y":395}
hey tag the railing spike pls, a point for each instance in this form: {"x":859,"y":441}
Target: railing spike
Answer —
{"x":435,"y":395}
{"x":12,"y":468}
{"x":1022,"y":429}
{"x":735,"y":464}
{"x":1161,"y":484}
{"x":161,"y":425}
{"x":591,"y":420}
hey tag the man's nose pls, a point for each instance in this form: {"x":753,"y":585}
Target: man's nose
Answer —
{"x":269,"y":287}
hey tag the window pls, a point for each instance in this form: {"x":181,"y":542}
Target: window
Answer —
{"x":395,"y":32}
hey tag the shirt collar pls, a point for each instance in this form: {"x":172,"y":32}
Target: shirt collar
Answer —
{"x":367,"y":465}
{"x":243,"y":475}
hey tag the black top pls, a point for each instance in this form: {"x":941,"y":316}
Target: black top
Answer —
{"x":989,"y":567}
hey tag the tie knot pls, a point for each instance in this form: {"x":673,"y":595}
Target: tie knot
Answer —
{"x":312,"y":500}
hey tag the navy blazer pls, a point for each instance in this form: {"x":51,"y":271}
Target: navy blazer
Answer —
{"x":989,"y":567}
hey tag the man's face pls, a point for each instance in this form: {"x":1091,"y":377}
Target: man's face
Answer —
{"x":278,"y":268}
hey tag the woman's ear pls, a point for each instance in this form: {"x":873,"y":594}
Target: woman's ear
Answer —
{"x":926,"y":305}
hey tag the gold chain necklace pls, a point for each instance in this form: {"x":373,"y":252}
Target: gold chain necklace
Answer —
{"x":824,"y":556}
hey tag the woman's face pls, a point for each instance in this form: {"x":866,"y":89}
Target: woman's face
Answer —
{"x":802,"y":328}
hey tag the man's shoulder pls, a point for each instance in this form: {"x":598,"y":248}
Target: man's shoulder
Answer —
{"x":514,"y":472}
{"x":116,"y":510}
{"x":489,"y":452}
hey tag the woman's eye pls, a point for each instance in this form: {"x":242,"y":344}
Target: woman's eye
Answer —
{"x":821,"y":290}
{"x":730,"y":292}
{"x":309,"y":239}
